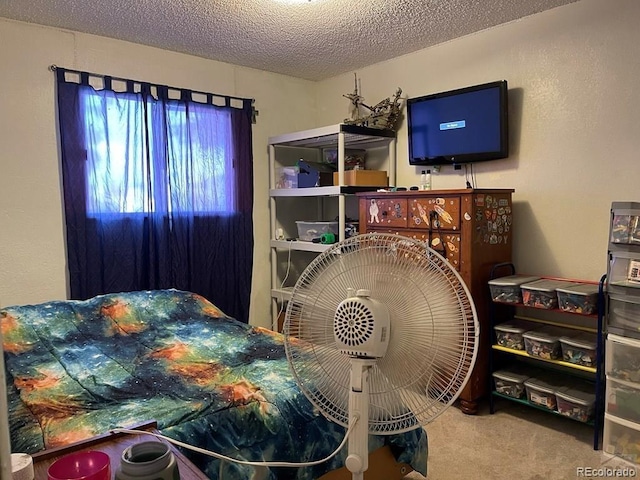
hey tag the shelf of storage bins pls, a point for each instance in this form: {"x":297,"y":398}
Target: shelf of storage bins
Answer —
{"x":283,"y":293}
{"x":622,"y":430}
{"x":562,"y":363}
{"x":281,"y":148}
{"x":622,"y":409}
{"x":354,"y":136}
{"x":299,"y":245}
{"x":537,"y":407}
{"x":621,"y":436}
{"x":328,"y":191}
{"x":552,"y":310}
{"x":552,"y":323}
{"x":623,"y":285}
{"x":591,"y":373}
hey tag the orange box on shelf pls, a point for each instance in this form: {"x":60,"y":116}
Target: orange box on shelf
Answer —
{"x":363,"y":178}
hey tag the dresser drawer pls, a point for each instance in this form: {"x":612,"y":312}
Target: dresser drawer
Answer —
{"x":386,"y":212}
{"x":623,"y":399}
{"x":621,"y":438}
{"x":624,"y":311}
{"x":622,"y":359}
{"x":441,"y":212}
{"x":446,"y":244}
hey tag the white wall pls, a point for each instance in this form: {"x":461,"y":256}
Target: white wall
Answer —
{"x":575,"y":116}
{"x":573,"y":75}
{"x":572,"y":71}
{"x":32,"y":245}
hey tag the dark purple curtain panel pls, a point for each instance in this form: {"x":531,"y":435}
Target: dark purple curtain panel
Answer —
{"x":158,"y":193}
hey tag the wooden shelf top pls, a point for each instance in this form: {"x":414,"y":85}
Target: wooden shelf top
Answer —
{"x":523,"y":353}
{"x":443,"y":192}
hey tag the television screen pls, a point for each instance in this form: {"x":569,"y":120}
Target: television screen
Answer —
{"x":459,"y":126}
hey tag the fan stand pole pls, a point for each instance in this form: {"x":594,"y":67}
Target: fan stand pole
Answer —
{"x":357,"y":460}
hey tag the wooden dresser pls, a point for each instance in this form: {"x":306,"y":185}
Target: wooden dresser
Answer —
{"x":472,"y":228}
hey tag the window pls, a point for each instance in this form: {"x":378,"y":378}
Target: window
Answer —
{"x":148,"y":156}
{"x":158,"y":191}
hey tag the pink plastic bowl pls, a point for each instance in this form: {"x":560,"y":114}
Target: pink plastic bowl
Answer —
{"x":89,"y":465}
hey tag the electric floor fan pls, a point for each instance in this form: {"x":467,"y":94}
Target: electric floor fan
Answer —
{"x":381,"y":334}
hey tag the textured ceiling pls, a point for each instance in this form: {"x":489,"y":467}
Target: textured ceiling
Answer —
{"x":307,"y":39}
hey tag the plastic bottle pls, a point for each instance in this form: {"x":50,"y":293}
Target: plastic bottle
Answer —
{"x":425,"y":180}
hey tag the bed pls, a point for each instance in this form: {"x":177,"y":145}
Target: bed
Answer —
{"x":77,"y":369}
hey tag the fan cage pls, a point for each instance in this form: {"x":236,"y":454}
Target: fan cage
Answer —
{"x":433,"y":333}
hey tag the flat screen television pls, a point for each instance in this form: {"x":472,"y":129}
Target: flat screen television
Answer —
{"x":459,"y":126}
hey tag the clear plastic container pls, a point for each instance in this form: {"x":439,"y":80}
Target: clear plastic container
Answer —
{"x":621,"y":438}
{"x":581,"y":298}
{"x":542,"y":393}
{"x":287,"y":177}
{"x":624,"y":269}
{"x":580,"y":349}
{"x":545,"y":342}
{"x":623,"y":400}
{"x":308,"y":231}
{"x":623,"y":358}
{"x":542,"y":293}
{"x":576,"y":403}
{"x":624,"y":312}
{"x":510,"y":334}
{"x":625,"y":229}
{"x":625,"y":223}
{"x":507,"y":289}
{"x":510,"y":383}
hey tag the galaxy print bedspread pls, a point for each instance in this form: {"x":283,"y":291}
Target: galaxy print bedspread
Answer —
{"x":76,"y":369}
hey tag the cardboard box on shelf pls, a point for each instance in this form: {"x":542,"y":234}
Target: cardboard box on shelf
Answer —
{"x":363,"y":178}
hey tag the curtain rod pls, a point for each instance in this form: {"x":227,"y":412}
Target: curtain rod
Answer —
{"x":54,"y":67}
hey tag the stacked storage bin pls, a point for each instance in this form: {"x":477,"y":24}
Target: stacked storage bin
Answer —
{"x":621,"y":435}
{"x":544,"y":345}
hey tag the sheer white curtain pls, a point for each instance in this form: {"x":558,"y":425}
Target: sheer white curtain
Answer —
{"x":149,"y":156}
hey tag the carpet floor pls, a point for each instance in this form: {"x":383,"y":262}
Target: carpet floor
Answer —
{"x":516,"y":442}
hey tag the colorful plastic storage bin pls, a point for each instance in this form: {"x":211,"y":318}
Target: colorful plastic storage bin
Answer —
{"x":580,"y":298}
{"x":507,"y":289}
{"x":511,"y":334}
{"x":542,"y":293}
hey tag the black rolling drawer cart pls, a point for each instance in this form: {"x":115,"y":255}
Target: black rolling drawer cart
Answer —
{"x":547,"y":348}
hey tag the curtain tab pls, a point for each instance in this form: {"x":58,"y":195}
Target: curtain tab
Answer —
{"x":249,"y":106}
{"x":145,"y":88}
{"x":186,"y":96}
{"x":163,"y":92}
{"x":60,"y":74}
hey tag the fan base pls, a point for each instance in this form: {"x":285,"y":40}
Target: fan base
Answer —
{"x":382,"y":466}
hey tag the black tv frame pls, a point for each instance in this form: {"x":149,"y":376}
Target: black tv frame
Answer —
{"x":460,"y":158}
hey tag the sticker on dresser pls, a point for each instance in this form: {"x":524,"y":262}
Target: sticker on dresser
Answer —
{"x":437,"y":212}
{"x":390,"y":212}
{"x":494,"y":219}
